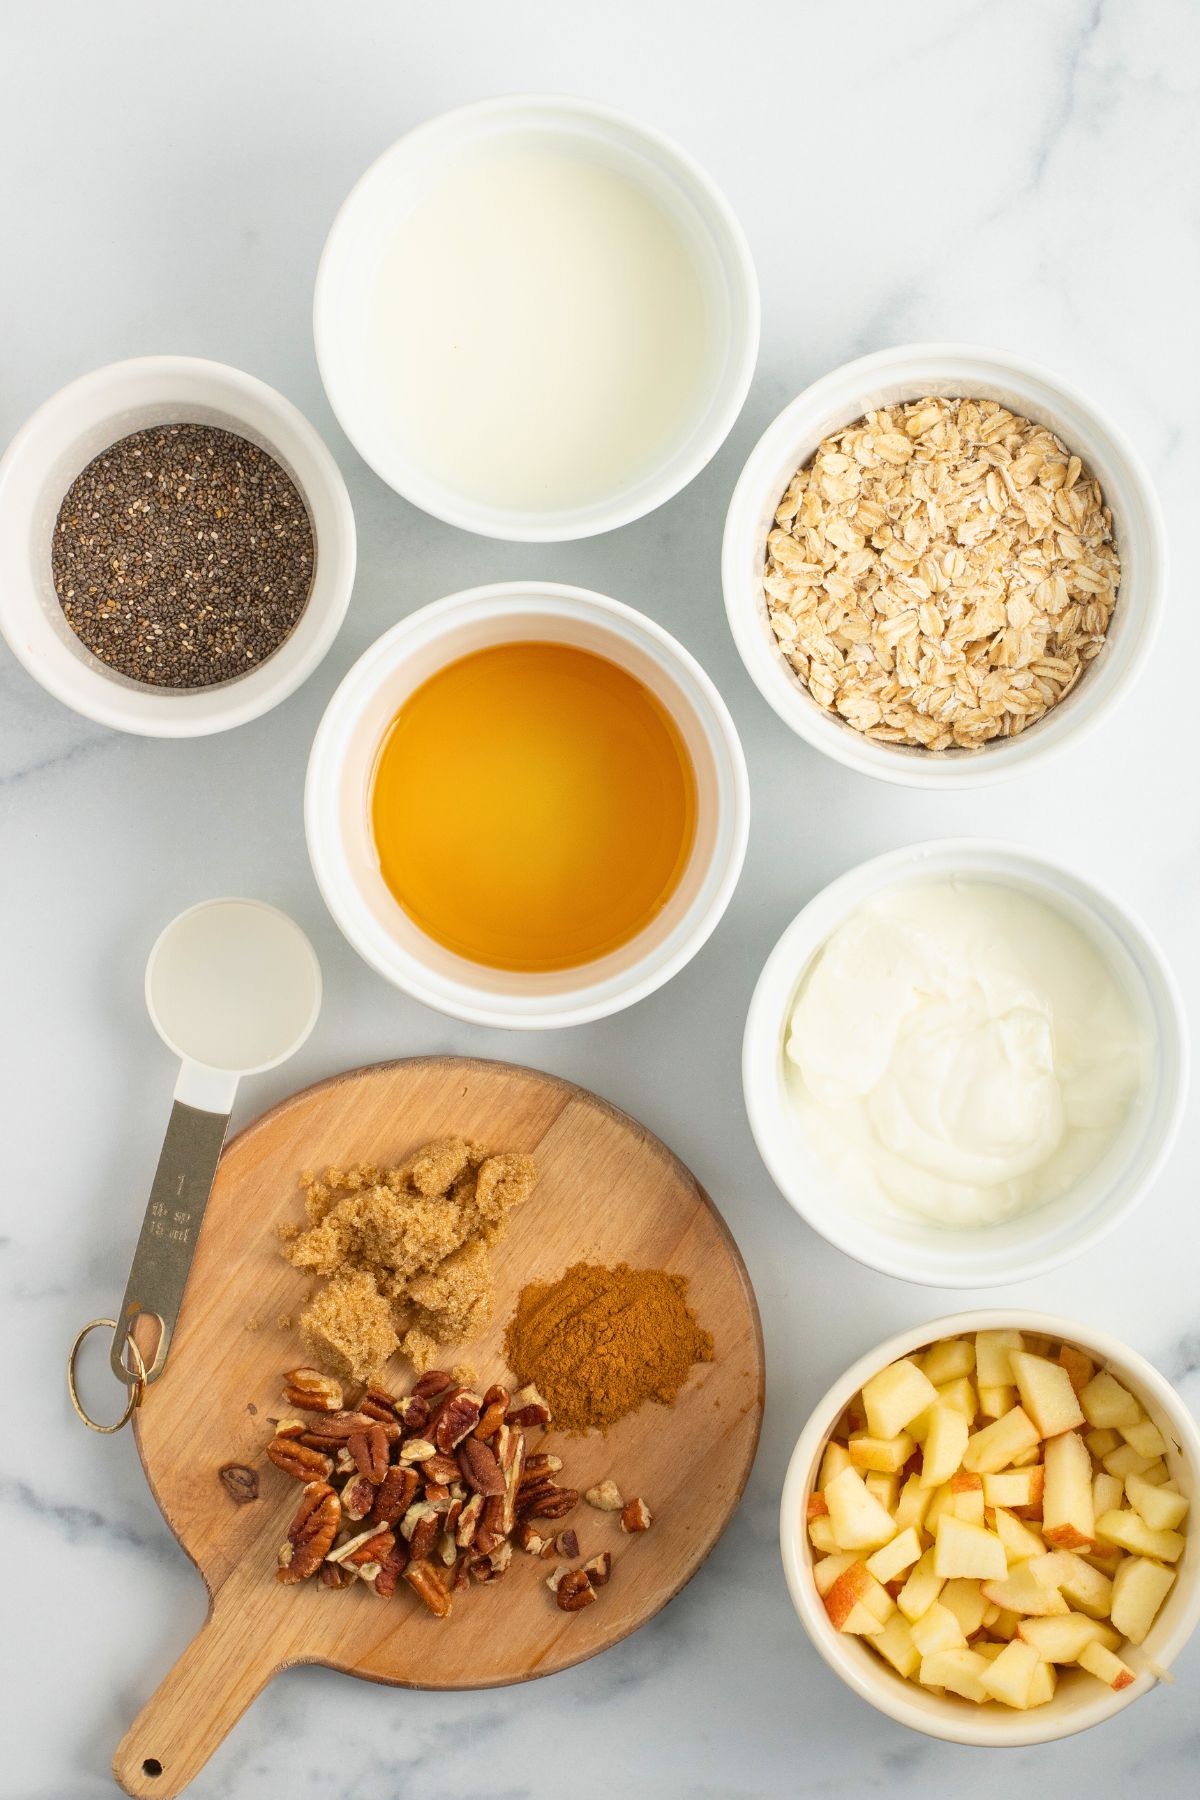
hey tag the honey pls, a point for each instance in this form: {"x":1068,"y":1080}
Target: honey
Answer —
{"x":533,"y":806}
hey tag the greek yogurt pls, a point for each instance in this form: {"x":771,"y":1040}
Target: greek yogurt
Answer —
{"x":962,"y":1052}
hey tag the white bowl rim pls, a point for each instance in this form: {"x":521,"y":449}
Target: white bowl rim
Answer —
{"x":493,"y":1011}
{"x":226,"y":705}
{"x":1002,"y":758}
{"x":782,"y":968}
{"x":888,"y":1695}
{"x":518,"y":527}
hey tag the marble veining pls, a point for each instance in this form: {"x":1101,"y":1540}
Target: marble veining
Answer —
{"x":1021,"y":175}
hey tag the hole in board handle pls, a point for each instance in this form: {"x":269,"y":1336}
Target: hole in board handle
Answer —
{"x":152,"y":1766}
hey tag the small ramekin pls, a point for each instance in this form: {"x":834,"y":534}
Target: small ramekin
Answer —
{"x":1080,"y":1700}
{"x":52,"y":448}
{"x":890,"y":378}
{"x":404,"y":172}
{"x":340,"y":771}
{"x":1036,"y":1241}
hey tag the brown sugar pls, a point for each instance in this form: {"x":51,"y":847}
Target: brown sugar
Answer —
{"x":404,"y":1253}
{"x":598,"y":1342}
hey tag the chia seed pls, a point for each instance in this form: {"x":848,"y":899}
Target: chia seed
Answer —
{"x":183,"y":556}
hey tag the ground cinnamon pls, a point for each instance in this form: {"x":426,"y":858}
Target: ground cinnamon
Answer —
{"x":598,"y":1342}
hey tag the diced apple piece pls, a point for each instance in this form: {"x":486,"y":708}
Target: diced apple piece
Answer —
{"x":826,"y":1572}
{"x":1014,"y":1487}
{"x":1011,"y":1674}
{"x":958,"y":1671}
{"x":835,"y":1459}
{"x":984,"y":1646}
{"x":1131,"y":1532}
{"x":894,"y":1396}
{"x":885,"y":1454}
{"x":1041,"y":1688}
{"x":1145,"y":1438}
{"x":995,"y":1447}
{"x":948,"y":1359}
{"x":1061,"y":1640}
{"x":858,"y":1520}
{"x":895,"y":1643}
{"x":966,"y":1497}
{"x":1106,"y":1492}
{"x":921,"y":1589}
{"x":1162,"y":1508}
{"x":961,"y":1396}
{"x":1125,"y":1461}
{"x":965,"y":1600}
{"x":968,"y":1550}
{"x":900,"y":1554}
{"x":1157,"y":1475}
{"x":821,"y":1535}
{"x":914,"y":1503}
{"x":1022,"y":1592}
{"x":1019,"y":1540}
{"x":1068,"y":1517}
{"x":941,"y":1500}
{"x":937,"y":1629}
{"x":993,"y":1367}
{"x":817,"y":1507}
{"x":1024,"y":1458}
{"x":1106,"y":1403}
{"x":1080,"y":1368}
{"x":1106,"y":1667}
{"x":945,"y":1443}
{"x":1046,"y":1393}
{"x":854,"y":1592}
{"x":1101,"y":1442}
{"x":1004,"y":1625}
{"x":884,"y":1487}
{"x":1084,"y":1587}
{"x":1139,"y":1588}
{"x":994,"y":1402}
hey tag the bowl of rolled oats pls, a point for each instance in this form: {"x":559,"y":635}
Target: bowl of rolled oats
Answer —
{"x":941,"y":563}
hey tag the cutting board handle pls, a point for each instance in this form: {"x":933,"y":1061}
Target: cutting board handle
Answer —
{"x":226,"y":1665}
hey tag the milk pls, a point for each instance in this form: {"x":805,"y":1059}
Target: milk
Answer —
{"x":540,"y":328}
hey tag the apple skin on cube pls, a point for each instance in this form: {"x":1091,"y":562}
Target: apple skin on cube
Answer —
{"x":1139,"y":1588}
{"x":859,"y":1522}
{"x":1011,"y":1674}
{"x":937,"y":1629}
{"x":1046,"y":1393}
{"x":1080,"y":1368}
{"x":945,"y":1445}
{"x":1107,"y":1404}
{"x":894,"y":1396}
{"x":992,"y":1449}
{"x":967,"y":1550}
{"x":1022,"y":1592}
{"x":1161,"y":1508}
{"x":1060,"y":1640}
{"x":1130,"y":1532}
{"x":959,"y":1671}
{"x":1068,"y":1516}
{"x":821,"y":1535}
{"x":854,"y":1594}
{"x":1100,"y":1662}
{"x":828,"y":1568}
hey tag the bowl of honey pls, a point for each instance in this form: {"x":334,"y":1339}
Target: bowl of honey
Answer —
{"x":527,"y":805}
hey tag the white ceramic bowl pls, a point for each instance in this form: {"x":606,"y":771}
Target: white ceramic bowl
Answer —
{"x":360,"y":236}
{"x":889,"y":378}
{"x":336,"y":804}
{"x":59,"y":441}
{"x":1039,"y":1240}
{"x":1079,"y":1700}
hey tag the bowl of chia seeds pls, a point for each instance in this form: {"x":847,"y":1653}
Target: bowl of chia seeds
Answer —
{"x":177,"y":546}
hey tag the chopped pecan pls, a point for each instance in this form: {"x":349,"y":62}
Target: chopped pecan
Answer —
{"x":426,"y":1532}
{"x":537,"y":1467}
{"x":440,"y":1467}
{"x":425,"y":1582}
{"x":343,"y":1462}
{"x":298,"y":1460}
{"x":310,"y":1534}
{"x":350,"y":1550}
{"x":598,"y":1568}
{"x":412,"y":1518}
{"x":462,"y":1574}
{"x":456,"y":1414}
{"x":332,"y":1575}
{"x":432,"y":1384}
{"x":468,"y":1522}
{"x":372,"y":1554}
{"x":529,"y":1408}
{"x":437,"y":1494}
{"x":414,"y":1413}
{"x":336,"y":1428}
{"x":239,"y":1482}
{"x":605,"y":1497}
{"x":358,"y":1497}
{"x":573,"y":1591}
{"x":554,"y":1505}
{"x":393,"y":1496}
{"x":447,"y":1549}
{"x":495,"y":1406}
{"x":567,"y":1544}
{"x":417,"y":1450}
{"x":510,"y":1454}
{"x":491,"y":1530}
{"x":370,"y":1452}
{"x":480,"y":1469}
{"x":391,"y":1567}
{"x":495,"y":1564}
{"x":377,"y":1404}
{"x":531,"y":1539}
{"x":636,"y":1516}
{"x":312,"y":1391}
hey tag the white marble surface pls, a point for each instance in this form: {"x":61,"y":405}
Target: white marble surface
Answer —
{"x":1020,"y":174}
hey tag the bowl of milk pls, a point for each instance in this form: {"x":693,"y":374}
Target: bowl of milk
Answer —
{"x":535,"y":318}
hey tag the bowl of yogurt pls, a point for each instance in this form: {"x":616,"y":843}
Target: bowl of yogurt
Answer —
{"x":536,"y":318}
{"x":964,"y":1064}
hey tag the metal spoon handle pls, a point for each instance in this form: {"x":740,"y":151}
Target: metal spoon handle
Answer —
{"x":167,"y":1241}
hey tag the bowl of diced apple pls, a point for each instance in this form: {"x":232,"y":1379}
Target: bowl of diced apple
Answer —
{"x":985,"y":1523}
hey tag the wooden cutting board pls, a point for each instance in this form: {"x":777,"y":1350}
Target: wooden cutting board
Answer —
{"x":608,"y":1192}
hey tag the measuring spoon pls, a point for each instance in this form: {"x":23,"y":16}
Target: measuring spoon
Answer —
{"x":233,"y":987}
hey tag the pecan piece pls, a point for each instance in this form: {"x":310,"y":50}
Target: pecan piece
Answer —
{"x":391,"y":1567}
{"x":573,"y":1591}
{"x":393,"y":1496}
{"x":636,"y":1516}
{"x":537,"y":1467}
{"x":457,"y":1414}
{"x":441,"y":1468}
{"x":468,"y":1522}
{"x":490,"y":1531}
{"x":529,"y":1408}
{"x":333,"y":1429}
{"x":310,"y":1534}
{"x":417,"y":1450}
{"x":598,"y":1568}
{"x":480,"y":1469}
{"x":529,"y":1538}
{"x":432,"y":1384}
{"x":358,"y":1497}
{"x":605,"y":1497}
{"x":426,"y":1533}
{"x":554,"y":1505}
{"x":437,"y":1495}
{"x":510,"y":1454}
{"x":312,"y":1391}
{"x":370,"y":1452}
{"x":333,"y":1575}
{"x":377,"y":1404}
{"x":414,"y":1413}
{"x":298,"y":1460}
{"x":495,"y":1406}
{"x":239,"y":1482}
{"x":425,"y":1582}
{"x":567,"y":1544}
{"x":367,"y":1547}
{"x":495,"y":1564}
